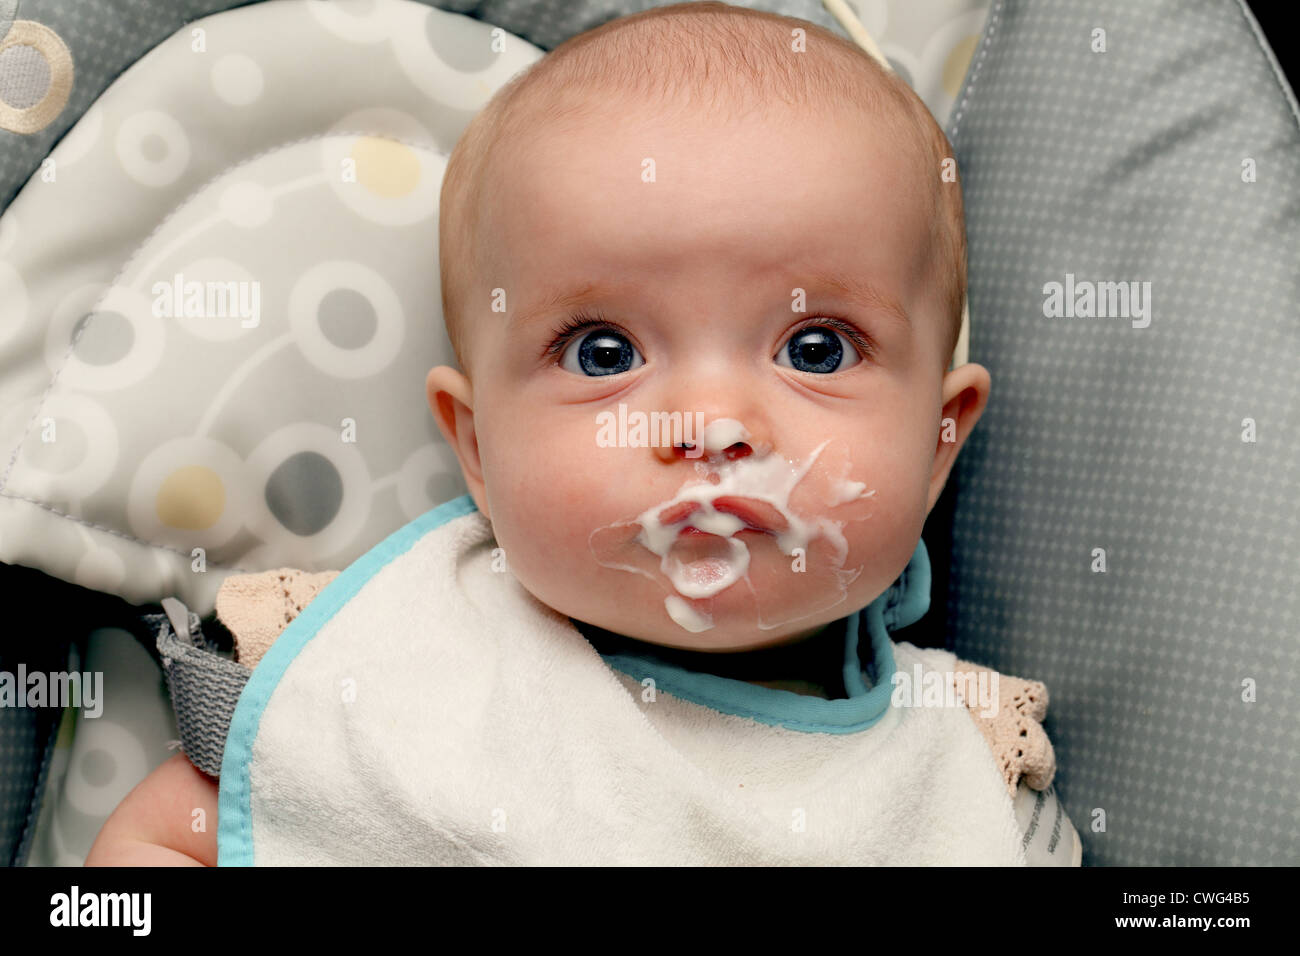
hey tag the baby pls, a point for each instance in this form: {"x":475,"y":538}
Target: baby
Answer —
{"x":741,"y":221}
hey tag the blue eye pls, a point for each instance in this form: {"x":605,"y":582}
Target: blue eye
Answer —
{"x":817,"y":348}
{"x":602,"y":351}
{"x":590,"y":346}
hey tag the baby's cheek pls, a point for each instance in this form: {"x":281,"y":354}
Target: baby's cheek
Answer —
{"x":883,"y":527}
{"x":882,"y":545}
{"x":545,"y":538}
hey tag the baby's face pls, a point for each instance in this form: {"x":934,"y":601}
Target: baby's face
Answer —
{"x":689,"y":243}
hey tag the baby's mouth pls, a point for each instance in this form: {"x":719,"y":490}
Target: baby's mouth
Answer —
{"x":702,"y":564}
{"x":702,"y":561}
{"x":698,"y":544}
{"x":757,"y":515}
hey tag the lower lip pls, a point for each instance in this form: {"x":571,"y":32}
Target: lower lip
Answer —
{"x":691,"y":529}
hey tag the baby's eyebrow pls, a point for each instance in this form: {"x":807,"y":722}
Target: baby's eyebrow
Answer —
{"x":561,"y":300}
{"x":861,"y":291}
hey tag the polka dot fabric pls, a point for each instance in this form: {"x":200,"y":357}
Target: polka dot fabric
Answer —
{"x":1127,"y":528}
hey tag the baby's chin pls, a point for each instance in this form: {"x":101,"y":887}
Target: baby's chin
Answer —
{"x":715,"y":643}
{"x":719,"y":640}
{"x":726,"y":592}
{"x":738,"y":618}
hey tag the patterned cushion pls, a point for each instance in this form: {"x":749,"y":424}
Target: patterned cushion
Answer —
{"x":1127,"y":528}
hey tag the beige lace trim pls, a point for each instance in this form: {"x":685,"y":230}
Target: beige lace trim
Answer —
{"x":1015,"y":733}
{"x":255,"y":608}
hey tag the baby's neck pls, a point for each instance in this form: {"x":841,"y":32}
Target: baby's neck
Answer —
{"x":812,"y":666}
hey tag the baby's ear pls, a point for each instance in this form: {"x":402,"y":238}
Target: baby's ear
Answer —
{"x":451,"y":399}
{"x":965,"y":393}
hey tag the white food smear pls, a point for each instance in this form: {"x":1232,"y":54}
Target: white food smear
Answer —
{"x":761,"y":476}
{"x":686,"y":616}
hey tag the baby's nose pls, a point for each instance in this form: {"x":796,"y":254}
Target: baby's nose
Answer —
{"x":724,"y":439}
{"x":692,"y":451}
{"x":729,"y":440}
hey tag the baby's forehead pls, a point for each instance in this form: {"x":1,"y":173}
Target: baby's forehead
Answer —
{"x":630,"y":156}
{"x":768,"y":226}
{"x":572,"y":131}
{"x":771,"y":211}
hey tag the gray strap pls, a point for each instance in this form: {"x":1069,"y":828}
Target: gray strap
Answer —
{"x":204,"y":686}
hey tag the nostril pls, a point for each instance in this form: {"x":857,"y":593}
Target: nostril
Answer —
{"x":732,"y":452}
{"x":738,"y":450}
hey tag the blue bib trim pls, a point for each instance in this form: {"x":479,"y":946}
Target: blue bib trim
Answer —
{"x":234,"y":802}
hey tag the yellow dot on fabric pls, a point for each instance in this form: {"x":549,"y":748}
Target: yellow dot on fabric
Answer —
{"x":386,"y":168}
{"x":954,"y":68}
{"x":191,"y":498}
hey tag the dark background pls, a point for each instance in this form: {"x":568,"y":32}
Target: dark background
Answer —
{"x":1278,"y":19}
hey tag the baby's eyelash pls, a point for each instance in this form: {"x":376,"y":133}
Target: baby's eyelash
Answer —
{"x":584,"y":322}
{"x":864,"y":345}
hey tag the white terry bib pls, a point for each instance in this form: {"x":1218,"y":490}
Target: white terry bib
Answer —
{"x":425,"y":709}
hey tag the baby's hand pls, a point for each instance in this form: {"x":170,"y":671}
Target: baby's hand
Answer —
{"x":155,"y":824}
